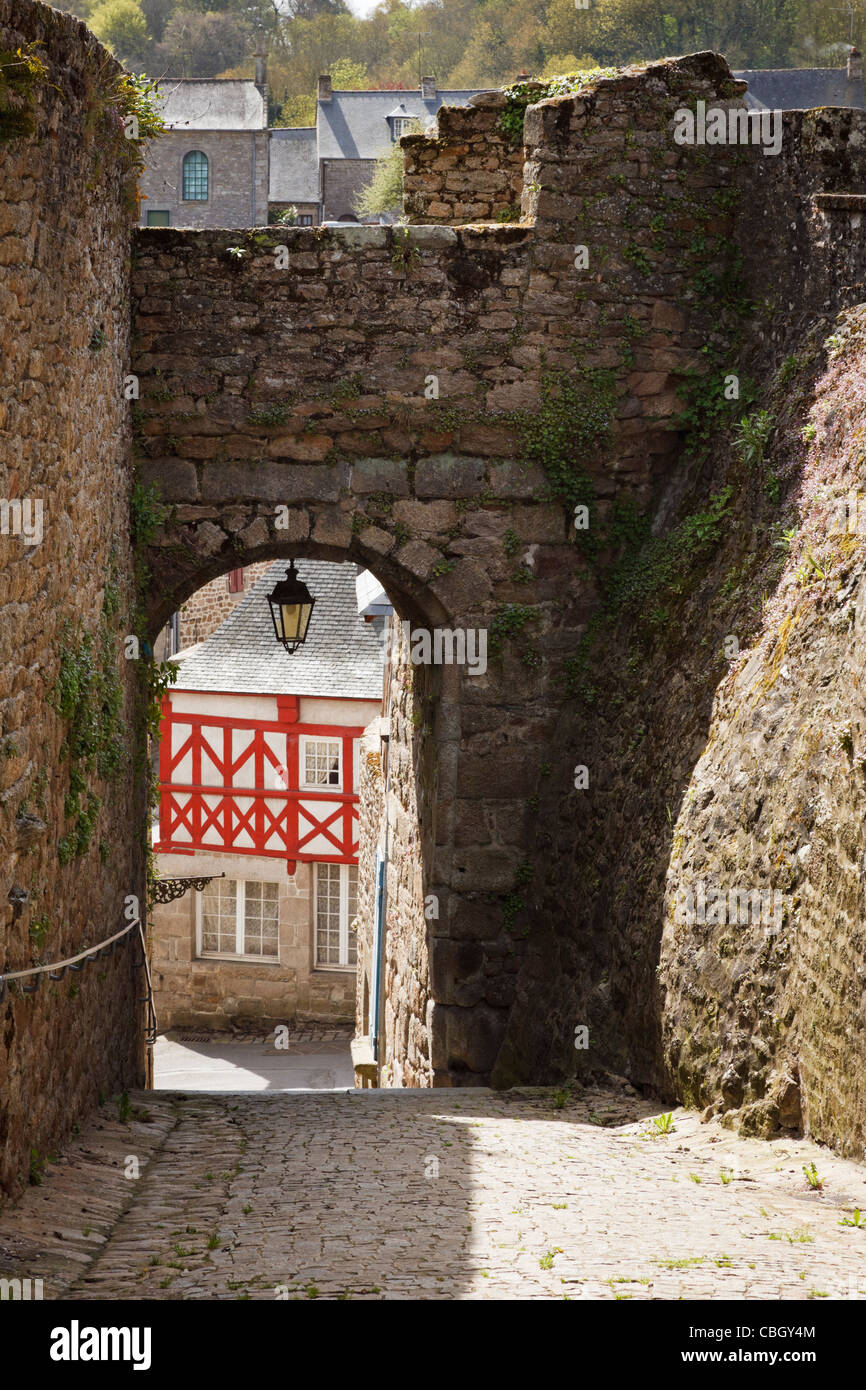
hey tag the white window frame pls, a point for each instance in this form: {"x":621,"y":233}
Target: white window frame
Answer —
{"x":401,"y":125}
{"x":302,"y":769}
{"x":240,"y":927}
{"x":344,"y":916}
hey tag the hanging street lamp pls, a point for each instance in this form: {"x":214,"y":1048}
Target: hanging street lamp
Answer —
{"x":291,"y":608}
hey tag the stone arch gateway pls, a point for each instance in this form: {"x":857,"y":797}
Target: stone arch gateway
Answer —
{"x":432,"y":401}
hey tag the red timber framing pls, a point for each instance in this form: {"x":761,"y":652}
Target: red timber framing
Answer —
{"x":234,"y":786}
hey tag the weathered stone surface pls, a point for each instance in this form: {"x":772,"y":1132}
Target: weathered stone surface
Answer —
{"x":68,"y":601}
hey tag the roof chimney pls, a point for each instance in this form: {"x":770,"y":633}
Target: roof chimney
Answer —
{"x":428,"y":88}
{"x":855,"y":65}
{"x":324,"y":93}
{"x":261,"y":68}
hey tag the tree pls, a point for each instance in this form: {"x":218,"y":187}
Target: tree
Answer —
{"x":201,"y":45}
{"x":122,"y":25}
{"x":384,"y":192}
{"x":348,"y":76}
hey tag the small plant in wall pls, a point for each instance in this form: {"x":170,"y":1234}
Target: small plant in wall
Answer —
{"x":752,"y":436}
{"x":236,"y":253}
{"x":816,"y":1183}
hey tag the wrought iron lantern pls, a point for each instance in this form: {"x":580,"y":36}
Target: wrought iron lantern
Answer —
{"x":291,"y":609}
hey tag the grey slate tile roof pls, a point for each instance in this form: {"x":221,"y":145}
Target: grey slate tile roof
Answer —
{"x":354,"y":125}
{"x":294,"y":175}
{"x":801,"y":89}
{"x":342,"y":656}
{"x":193,"y":103}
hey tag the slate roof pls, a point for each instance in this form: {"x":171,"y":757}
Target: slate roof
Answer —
{"x":801,"y":89}
{"x":294,"y":174}
{"x":342,"y":656}
{"x":196,"y":103}
{"x":354,"y":125}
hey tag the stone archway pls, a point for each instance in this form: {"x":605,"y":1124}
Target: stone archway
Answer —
{"x":427,"y":739}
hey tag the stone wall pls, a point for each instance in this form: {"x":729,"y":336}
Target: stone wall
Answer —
{"x":210,"y":605}
{"x":555,"y":384}
{"x":469,"y":171}
{"x":237,"y":178}
{"x":750,"y":1024}
{"x":398,"y":793}
{"x":342,"y":181}
{"x":763,"y":1015}
{"x":70,"y":816}
{"x":194,"y":991}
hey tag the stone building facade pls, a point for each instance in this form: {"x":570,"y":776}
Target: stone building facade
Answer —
{"x":211,"y":166}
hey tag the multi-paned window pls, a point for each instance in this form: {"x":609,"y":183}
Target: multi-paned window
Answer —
{"x":402,"y":125}
{"x":195,"y":177}
{"x":336,"y":905}
{"x":305,"y":219}
{"x":239,"y":917}
{"x":321,"y":762}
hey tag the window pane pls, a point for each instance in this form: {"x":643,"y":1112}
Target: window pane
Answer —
{"x":327,"y":914}
{"x":219,"y":916}
{"x":353,"y":908}
{"x":195,"y":176}
{"x":322,"y":763}
{"x":261,"y":919}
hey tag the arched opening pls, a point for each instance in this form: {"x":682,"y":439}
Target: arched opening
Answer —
{"x":196,"y":177}
{"x":307,"y":840}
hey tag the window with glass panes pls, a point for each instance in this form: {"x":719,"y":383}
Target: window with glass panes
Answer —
{"x":195,"y":177}
{"x":240,"y":917}
{"x":336,"y":905}
{"x":322,"y":762}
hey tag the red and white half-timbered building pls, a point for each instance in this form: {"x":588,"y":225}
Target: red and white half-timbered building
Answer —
{"x":258,"y":772}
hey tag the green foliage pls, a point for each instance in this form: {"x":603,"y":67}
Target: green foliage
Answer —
{"x":637,"y":257}
{"x":121,"y":25}
{"x":39,"y":929}
{"x":522,"y":94}
{"x":88,"y":693}
{"x":752,"y":435}
{"x":511,"y":543}
{"x":275,"y":414}
{"x":663,"y":564}
{"x":707,"y":412}
{"x":514,"y":902}
{"x":509,"y":623}
{"x":576,"y":416}
{"x":21,"y":69}
{"x":147,"y":513}
{"x":349,"y":76}
{"x":812,"y":1178}
{"x":384,"y":192}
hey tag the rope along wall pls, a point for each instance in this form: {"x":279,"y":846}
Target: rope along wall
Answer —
{"x":58,"y":970}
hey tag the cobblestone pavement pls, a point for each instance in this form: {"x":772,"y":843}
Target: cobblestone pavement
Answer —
{"x":463,"y":1194}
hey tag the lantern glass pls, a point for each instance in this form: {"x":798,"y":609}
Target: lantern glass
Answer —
{"x":291,"y":607}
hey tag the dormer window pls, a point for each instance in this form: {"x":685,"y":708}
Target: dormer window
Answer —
{"x":401,"y":121}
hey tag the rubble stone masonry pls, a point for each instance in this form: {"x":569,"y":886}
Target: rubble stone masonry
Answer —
{"x":71,"y":812}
